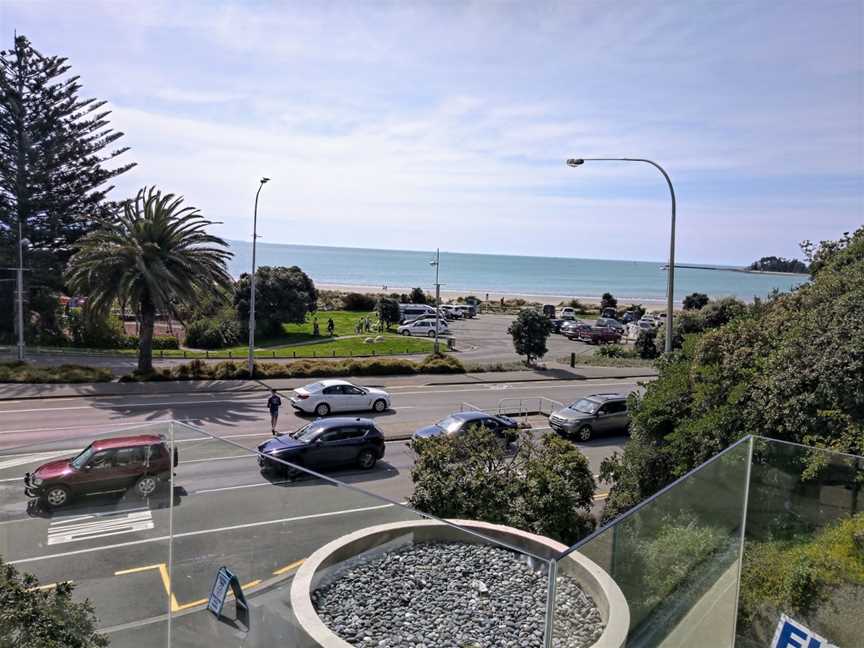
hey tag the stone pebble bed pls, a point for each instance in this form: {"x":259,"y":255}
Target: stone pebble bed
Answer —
{"x":453,"y":595}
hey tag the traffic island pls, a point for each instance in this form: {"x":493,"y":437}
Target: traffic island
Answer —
{"x":428,"y":583}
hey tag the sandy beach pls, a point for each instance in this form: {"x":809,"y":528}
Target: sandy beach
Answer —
{"x":447,"y":295}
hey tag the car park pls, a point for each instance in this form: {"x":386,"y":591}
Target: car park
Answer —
{"x":591,"y":416}
{"x":460,"y":422}
{"x":326,"y":396}
{"x":336,"y":441}
{"x":138,"y":462}
{"x":423,"y":327}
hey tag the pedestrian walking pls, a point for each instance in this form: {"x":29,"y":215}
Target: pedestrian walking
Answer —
{"x":331,"y":326}
{"x":273,"y":404}
{"x":315,"y":330}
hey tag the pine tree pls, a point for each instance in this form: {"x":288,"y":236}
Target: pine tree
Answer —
{"x":53,"y":147}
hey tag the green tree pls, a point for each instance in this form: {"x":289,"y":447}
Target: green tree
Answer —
{"x":646,"y":344}
{"x":608,"y":301}
{"x":544,"y":488}
{"x":153,"y":256}
{"x":358,"y":302}
{"x":282,"y":295}
{"x":388,"y":311}
{"x":54,"y":147}
{"x":791,"y":368}
{"x":417,"y":296}
{"x":529,"y":331}
{"x":695,"y":301}
{"x":47,"y":618}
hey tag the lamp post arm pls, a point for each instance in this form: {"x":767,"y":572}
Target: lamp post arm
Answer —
{"x":670,"y":284}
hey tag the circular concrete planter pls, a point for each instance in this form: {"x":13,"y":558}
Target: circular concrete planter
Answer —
{"x":326,"y":563}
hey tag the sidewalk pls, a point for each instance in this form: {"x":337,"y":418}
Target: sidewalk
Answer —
{"x":22,"y":391}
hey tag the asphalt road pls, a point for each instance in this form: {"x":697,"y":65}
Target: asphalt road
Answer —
{"x":115,"y":547}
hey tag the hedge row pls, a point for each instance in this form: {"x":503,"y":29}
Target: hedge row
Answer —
{"x":231,"y":370}
{"x":21,"y":372}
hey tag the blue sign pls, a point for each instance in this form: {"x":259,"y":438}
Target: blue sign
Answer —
{"x":791,"y":634}
{"x":220,"y":590}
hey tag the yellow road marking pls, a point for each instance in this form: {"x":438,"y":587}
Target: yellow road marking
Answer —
{"x":287,"y":568}
{"x":48,"y":586}
{"x":137,"y":569}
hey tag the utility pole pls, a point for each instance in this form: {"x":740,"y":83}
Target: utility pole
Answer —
{"x":252,"y":284}
{"x":437,"y":263}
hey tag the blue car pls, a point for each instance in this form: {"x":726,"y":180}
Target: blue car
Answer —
{"x":502,"y":426}
{"x":325,"y":443}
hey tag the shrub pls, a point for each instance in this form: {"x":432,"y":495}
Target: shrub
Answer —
{"x":441,"y":364}
{"x":388,"y":311}
{"x":616,"y":351}
{"x":417,"y":296}
{"x":213,"y":334}
{"x":646,"y":344}
{"x":530,"y":331}
{"x":358,"y":302}
{"x":608,"y":301}
{"x":695,"y":301}
{"x":94,"y":332}
{"x":21,"y":372}
{"x":544,"y":488}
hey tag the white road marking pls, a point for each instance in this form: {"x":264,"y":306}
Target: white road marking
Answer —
{"x":90,"y":527}
{"x":187,"y":534}
{"x":21,"y":460}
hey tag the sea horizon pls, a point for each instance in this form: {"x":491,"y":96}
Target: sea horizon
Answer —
{"x":507,"y":274}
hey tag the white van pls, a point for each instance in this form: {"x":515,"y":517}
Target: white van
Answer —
{"x":568,"y":313}
{"x":410,"y":312}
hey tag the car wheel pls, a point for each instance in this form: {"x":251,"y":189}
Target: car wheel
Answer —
{"x":408,"y":333}
{"x":146,"y":485}
{"x":584,"y":433}
{"x":431,"y":334}
{"x":322,"y":409}
{"x":379,"y":405}
{"x":57,"y":496}
{"x":366,"y":459}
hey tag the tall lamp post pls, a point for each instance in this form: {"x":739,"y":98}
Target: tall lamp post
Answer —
{"x":670,"y":283}
{"x":252,"y":287}
{"x":437,"y":264}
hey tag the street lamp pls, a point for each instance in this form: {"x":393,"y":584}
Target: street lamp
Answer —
{"x":670,"y":284}
{"x":437,"y":264}
{"x":252,"y":288}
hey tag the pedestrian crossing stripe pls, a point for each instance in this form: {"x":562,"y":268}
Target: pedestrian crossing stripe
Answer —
{"x":88,"y":527}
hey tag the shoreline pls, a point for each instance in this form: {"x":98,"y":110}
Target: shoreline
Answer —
{"x":493,"y":296}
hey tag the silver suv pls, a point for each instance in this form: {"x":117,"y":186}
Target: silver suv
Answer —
{"x":600,"y":413}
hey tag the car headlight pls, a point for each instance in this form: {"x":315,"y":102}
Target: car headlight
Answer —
{"x":35,"y":481}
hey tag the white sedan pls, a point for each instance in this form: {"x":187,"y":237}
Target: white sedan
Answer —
{"x":424,"y":327}
{"x":328,"y":396}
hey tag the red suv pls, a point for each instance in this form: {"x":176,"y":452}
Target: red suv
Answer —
{"x":106,"y":465}
{"x":598,"y":335}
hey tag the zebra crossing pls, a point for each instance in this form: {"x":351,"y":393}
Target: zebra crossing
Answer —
{"x":98,"y":525}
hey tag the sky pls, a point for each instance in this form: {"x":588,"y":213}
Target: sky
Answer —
{"x":416,"y":125}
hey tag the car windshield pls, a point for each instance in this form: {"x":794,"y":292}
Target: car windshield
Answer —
{"x":81,"y":460}
{"x":450,"y":424}
{"x":585,"y":406}
{"x":307,"y":433}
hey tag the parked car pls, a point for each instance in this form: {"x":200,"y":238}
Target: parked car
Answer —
{"x":334,"y":395}
{"x":599,"y":335}
{"x":549,"y":311}
{"x":557,"y":324}
{"x":425,"y":327}
{"x":629,"y":316}
{"x":609,"y":312}
{"x":573,"y":330}
{"x":587,"y":417}
{"x":606,"y":322}
{"x":568,"y":313}
{"x":467,"y":310}
{"x":650,"y":319}
{"x":452,"y":311}
{"x":118,"y":464}
{"x":458,"y":423}
{"x":329,"y":442}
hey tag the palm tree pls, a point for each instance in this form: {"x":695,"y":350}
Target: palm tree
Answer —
{"x":152,"y":257}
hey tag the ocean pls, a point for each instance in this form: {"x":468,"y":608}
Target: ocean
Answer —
{"x":629,"y":281}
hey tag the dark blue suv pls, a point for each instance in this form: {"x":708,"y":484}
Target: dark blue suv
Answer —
{"x":325,"y":443}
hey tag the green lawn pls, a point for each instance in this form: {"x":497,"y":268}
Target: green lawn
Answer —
{"x":298,"y":341}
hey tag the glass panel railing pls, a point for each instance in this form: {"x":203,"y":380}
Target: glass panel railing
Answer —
{"x":666,"y":572}
{"x":317,"y":558}
{"x":94,"y":513}
{"x":804,"y":550}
